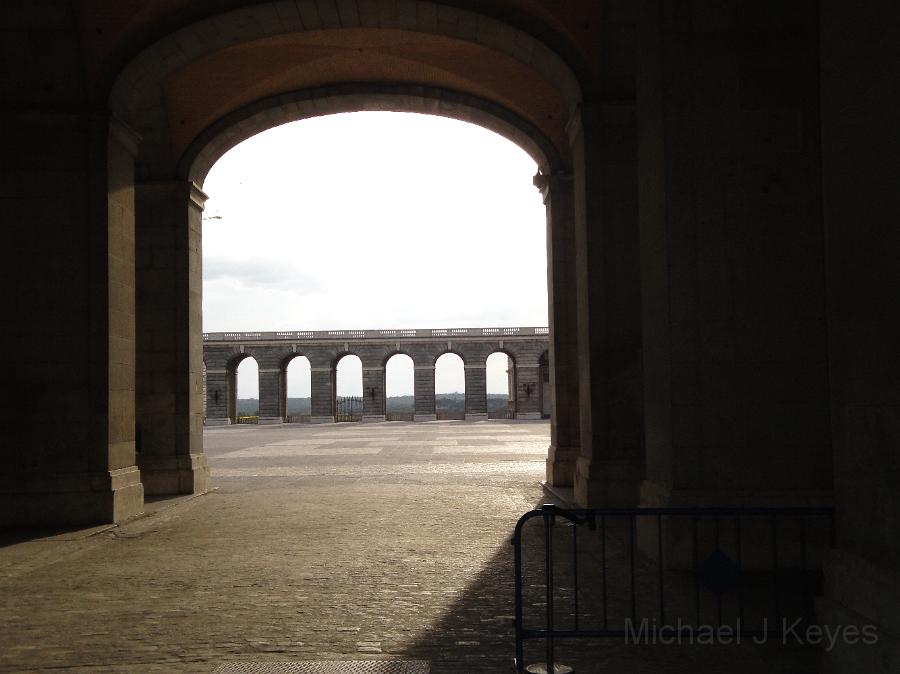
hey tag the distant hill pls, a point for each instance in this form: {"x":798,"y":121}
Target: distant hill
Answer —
{"x":451,"y":402}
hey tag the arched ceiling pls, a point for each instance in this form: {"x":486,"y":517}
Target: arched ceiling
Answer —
{"x":206,"y":90}
{"x":177,"y":67}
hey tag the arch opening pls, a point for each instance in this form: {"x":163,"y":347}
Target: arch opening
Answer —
{"x":450,"y":387}
{"x":348,"y":388}
{"x":297,"y":396}
{"x":244,"y":404}
{"x":399,"y":388}
{"x":500,"y":384}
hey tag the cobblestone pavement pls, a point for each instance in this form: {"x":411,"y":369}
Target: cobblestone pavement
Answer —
{"x":337,"y":542}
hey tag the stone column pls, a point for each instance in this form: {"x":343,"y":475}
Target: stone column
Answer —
{"x":373,"y":393}
{"x":68,"y":268}
{"x":271,"y":387}
{"x":565,"y":430}
{"x":169,"y":337}
{"x":424,"y":392}
{"x":610,"y":466}
{"x":476,"y":392}
{"x":528,"y":391}
{"x":321,"y":393}
{"x":217,"y":396}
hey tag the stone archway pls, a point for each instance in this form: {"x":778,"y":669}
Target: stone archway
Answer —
{"x":191,"y":97}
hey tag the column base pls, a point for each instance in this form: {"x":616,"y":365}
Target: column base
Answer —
{"x":217,"y":422}
{"x":270,"y":421}
{"x":476,"y":416}
{"x":72,"y":500}
{"x":561,"y":466}
{"x":532,"y":416}
{"x":183,"y":474}
{"x":607,"y":483}
{"x":424,"y":417}
{"x":321,"y":420}
{"x":866,"y":595}
{"x":373,"y":418}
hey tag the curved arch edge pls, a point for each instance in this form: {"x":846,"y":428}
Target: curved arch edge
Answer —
{"x":243,"y":123}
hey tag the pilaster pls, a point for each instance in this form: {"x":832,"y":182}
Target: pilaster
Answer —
{"x":423,"y":382}
{"x":565,"y":430}
{"x":271,"y":388}
{"x":373,"y":394}
{"x":476,"y":392}
{"x":169,"y":394}
{"x":610,"y":466}
{"x":321,"y":394}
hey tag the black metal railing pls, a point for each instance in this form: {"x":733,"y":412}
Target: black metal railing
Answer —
{"x":400,"y":416}
{"x":501,"y":414}
{"x":450,"y":415}
{"x":644,"y":573}
{"x":348,"y":408}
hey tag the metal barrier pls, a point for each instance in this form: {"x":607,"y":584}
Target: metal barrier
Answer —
{"x":348,"y":408}
{"x":645,"y":574}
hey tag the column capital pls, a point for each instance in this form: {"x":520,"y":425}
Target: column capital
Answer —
{"x":547,"y":182}
{"x":163,"y":188}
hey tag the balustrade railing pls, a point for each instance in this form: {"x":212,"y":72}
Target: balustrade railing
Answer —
{"x":427,"y":333}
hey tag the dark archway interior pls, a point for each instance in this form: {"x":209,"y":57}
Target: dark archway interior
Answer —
{"x":720,"y":192}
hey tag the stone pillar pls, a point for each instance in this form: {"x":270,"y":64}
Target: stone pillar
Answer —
{"x":860,"y":161}
{"x":565,"y":430}
{"x":734,"y":336}
{"x":271,"y":388}
{"x":68,"y":228}
{"x":217,"y":396}
{"x":528,"y":391}
{"x":373,"y":393}
{"x":424,"y":392}
{"x":610,"y":466}
{"x":169,"y":337}
{"x":476,"y":392}
{"x":321,"y":393}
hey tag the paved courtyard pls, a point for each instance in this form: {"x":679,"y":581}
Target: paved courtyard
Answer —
{"x":318,"y":543}
{"x":342,"y":541}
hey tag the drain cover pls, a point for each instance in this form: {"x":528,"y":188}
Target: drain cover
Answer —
{"x":326,"y":667}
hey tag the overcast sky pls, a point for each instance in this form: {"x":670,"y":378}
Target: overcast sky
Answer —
{"x":373,"y":220}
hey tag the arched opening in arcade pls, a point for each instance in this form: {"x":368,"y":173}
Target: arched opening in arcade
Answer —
{"x":296,"y":397}
{"x":348,"y":389}
{"x":399,"y":388}
{"x":450,"y":387}
{"x":500,"y":384}
{"x":245,"y":405}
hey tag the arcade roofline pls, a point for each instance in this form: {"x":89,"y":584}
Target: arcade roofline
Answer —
{"x":427,"y":333}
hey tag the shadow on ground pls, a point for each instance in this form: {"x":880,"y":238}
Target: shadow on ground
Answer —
{"x":477,"y":635}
